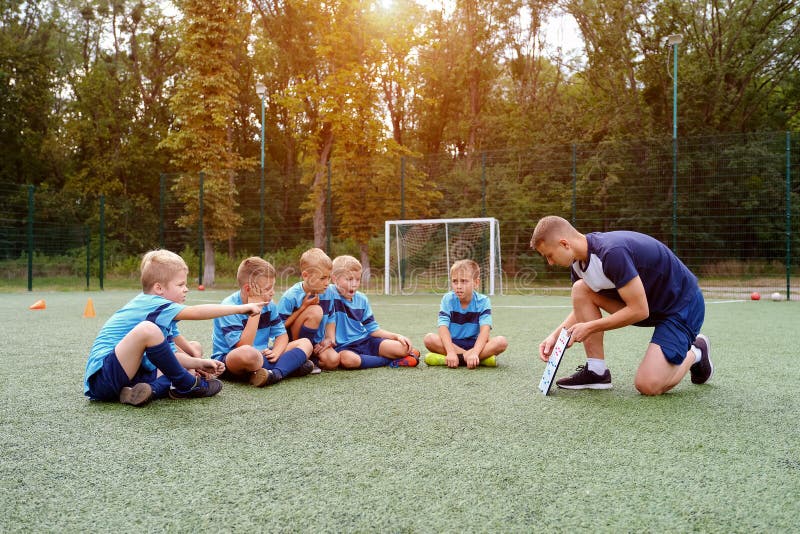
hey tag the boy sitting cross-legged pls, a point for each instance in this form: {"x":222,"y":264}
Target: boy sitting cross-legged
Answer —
{"x":241,"y":342}
{"x":465,"y":320}
{"x":359,"y":339}
{"x":133,"y":359}
{"x":307,"y":308}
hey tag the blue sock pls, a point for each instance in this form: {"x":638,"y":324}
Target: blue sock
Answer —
{"x":308,"y":333}
{"x":290,"y":361}
{"x":164,"y":359}
{"x":369,"y":361}
{"x":160,"y":387}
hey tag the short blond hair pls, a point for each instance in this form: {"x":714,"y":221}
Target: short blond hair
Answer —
{"x":159,"y":267}
{"x":345,"y":264}
{"x":315,"y":258}
{"x":470,"y":266}
{"x":551,"y":227}
{"x":253,"y":268}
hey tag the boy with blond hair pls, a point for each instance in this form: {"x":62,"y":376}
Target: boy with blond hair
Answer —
{"x":133,"y":358}
{"x":465,"y":320}
{"x":241,"y":342}
{"x":307,"y":308}
{"x":361,"y":342}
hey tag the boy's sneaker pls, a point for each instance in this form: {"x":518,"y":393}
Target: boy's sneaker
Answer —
{"x":201,"y":388}
{"x":703,"y":370}
{"x":434,"y":358}
{"x":263,"y":377}
{"x":138,"y":395}
{"x":586,"y":379}
{"x":491,"y":361}
{"x":306,"y":369}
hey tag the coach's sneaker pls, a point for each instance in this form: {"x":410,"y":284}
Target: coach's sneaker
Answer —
{"x":263,"y":377}
{"x":306,"y":369}
{"x":491,"y":361}
{"x":138,"y":395}
{"x":434,"y":358}
{"x":703,"y":370}
{"x":201,"y":388}
{"x":586,"y":379}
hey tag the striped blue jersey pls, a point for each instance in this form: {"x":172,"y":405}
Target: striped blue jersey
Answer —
{"x":465,"y":323}
{"x":228,"y":328}
{"x":142,"y":307}
{"x":354,"y":319}
{"x":293,"y":298}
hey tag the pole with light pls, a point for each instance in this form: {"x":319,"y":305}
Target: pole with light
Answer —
{"x":261,"y":91}
{"x":674,"y":40}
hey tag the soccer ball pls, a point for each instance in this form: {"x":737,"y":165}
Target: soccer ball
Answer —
{"x":755,"y":295}
{"x":776,"y":296}
{"x":201,"y":287}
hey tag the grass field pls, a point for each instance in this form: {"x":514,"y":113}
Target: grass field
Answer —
{"x":426,"y":449}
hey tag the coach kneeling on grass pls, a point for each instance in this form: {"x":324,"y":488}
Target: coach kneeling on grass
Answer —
{"x":638,"y":281}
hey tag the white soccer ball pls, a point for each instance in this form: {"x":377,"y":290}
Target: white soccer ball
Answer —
{"x":776,"y":296}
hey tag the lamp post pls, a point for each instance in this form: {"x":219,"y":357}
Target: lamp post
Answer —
{"x":674,"y":40}
{"x":261,"y":91}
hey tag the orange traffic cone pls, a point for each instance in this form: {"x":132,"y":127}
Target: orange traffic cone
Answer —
{"x":88,"y":311}
{"x":38,"y":305}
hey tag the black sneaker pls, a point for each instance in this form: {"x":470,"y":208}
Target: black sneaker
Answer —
{"x":703,"y":370}
{"x":263,"y":377}
{"x":586,"y":379}
{"x":138,"y":395}
{"x":201,"y":388}
{"x":305,"y":369}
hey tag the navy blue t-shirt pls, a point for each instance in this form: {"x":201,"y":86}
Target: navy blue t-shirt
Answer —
{"x":616,"y":258}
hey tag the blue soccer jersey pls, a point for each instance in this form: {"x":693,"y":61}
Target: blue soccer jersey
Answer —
{"x":615,"y":258}
{"x":228,"y":328}
{"x":293,"y":298}
{"x":465,"y":323}
{"x":142,"y":307}
{"x":354,"y":318}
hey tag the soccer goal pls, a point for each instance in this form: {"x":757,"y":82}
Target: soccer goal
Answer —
{"x":419,"y":253}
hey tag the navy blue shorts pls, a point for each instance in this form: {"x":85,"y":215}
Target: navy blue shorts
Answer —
{"x":465,"y":343}
{"x":106,"y":383}
{"x":368,"y":345}
{"x":676,"y":333}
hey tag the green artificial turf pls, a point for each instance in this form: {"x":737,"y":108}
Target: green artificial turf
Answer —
{"x":425,"y":449}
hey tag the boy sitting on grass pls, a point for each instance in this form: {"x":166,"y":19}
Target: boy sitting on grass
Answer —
{"x":361,"y":342}
{"x":241,"y":342}
{"x":133,"y":359}
{"x":465,"y":320}
{"x":307,"y":308}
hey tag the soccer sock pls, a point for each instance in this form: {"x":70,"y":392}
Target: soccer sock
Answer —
{"x":160,"y":387}
{"x":271,"y":367}
{"x":596,"y":365}
{"x":369,"y":361}
{"x":698,"y":354}
{"x":290,"y":361}
{"x":164,"y":359}
{"x":308,"y":333}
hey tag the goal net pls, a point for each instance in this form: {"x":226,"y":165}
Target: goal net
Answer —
{"x":419,"y":253}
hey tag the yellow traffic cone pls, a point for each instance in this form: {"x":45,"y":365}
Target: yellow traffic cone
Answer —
{"x":88,"y":311}
{"x":38,"y":305}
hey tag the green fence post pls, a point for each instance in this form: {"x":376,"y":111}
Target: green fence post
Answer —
{"x":788,"y":215}
{"x":88,"y":255}
{"x":483,"y":184}
{"x":328,"y":210}
{"x":402,"y":187}
{"x":162,"y":189}
{"x":102,"y":257}
{"x":31,"y":188}
{"x":200,"y":246}
{"x":574,"y":183}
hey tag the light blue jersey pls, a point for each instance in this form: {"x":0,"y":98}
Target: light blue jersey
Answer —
{"x":354,"y":319}
{"x":293,"y":298}
{"x":228,"y":328}
{"x":142,"y":307}
{"x":465,"y":323}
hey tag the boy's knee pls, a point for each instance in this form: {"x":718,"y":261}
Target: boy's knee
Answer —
{"x":329,"y":360}
{"x":349,"y":359}
{"x":502,"y":343}
{"x":150,"y":333}
{"x":313,"y":316}
{"x":430,"y":340}
{"x":305,"y":345}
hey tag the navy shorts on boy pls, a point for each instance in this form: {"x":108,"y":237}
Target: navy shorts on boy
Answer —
{"x":142,"y":307}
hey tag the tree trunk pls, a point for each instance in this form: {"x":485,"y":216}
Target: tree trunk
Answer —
{"x":366,"y":272}
{"x":320,"y":187}
{"x":209,"y":266}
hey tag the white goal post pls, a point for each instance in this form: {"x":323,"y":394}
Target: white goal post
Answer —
{"x":418,"y":253}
